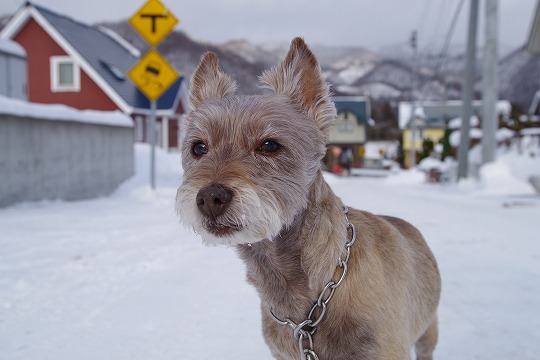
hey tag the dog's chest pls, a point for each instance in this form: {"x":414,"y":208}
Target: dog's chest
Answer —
{"x":342,"y":339}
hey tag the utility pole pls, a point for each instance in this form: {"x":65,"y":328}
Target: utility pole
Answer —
{"x":463,"y":150}
{"x":414,"y":46}
{"x":490,"y":92}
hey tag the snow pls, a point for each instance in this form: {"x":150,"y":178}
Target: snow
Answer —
{"x":405,"y":108}
{"x":456,"y":122}
{"x":530,"y":131}
{"x":455,"y":136}
{"x":380,"y":90}
{"x":430,"y":163}
{"x":57,"y":112}
{"x":503,"y":134}
{"x":353,"y":70}
{"x":119,"y":278}
{"x":11,"y":47}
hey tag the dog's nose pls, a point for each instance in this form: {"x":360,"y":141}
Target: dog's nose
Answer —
{"x":213,"y":200}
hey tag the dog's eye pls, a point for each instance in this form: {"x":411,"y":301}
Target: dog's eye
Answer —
{"x":199,"y":149}
{"x":269,"y":146}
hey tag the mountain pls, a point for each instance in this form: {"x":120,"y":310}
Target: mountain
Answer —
{"x":184,"y":54}
{"x":359,"y":71}
{"x":385,"y":75}
{"x":519,"y":77}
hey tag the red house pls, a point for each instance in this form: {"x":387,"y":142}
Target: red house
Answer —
{"x":86,"y":67}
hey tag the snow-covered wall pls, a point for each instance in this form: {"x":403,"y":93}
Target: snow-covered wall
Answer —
{"x":63,"y":159}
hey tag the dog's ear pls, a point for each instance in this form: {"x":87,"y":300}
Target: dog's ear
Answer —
{"x":209,"y":81}
{"x":300,"y":78}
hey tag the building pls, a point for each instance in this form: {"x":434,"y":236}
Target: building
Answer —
{"x":533,"y":47}
{"x":86,"y":67}
{"x":348,"y":135}
{"x":533,"y":43}
{"x":13,"y":81}
{"x":431,"y":119}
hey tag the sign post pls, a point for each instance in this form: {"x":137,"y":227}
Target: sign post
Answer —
{"x":152,"y":132}
{"x":153,"y":75}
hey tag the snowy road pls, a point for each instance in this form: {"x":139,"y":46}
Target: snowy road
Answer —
{"x":118,"y":278}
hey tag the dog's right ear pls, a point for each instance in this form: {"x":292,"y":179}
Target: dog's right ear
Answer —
{"x":209,"y":81}
{"x":300,"y":78}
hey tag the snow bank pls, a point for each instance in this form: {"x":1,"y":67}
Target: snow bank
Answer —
{"x":498,"y":178}
{"x":57,"y":112}
{"x":510,"y":174}
{"x":410,"y":177}
{"x":168,"y":172}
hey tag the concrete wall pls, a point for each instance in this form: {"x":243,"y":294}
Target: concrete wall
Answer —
{"x":49,"y":159}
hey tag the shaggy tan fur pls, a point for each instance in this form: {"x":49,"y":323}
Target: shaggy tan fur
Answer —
{"x":252,"y":175}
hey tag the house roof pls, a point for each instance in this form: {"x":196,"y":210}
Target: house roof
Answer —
{"x":104,"y":56}
{"x":12,"y":48}
{"x":358,"y":105}
{"x":435,"y":114}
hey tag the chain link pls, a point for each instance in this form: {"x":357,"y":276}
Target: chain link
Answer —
{"x":304,"y":330}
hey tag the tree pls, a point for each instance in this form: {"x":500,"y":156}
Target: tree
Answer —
{"x":445,"y":141}
{"x":401,"y":152}
{"x":427,"y":148}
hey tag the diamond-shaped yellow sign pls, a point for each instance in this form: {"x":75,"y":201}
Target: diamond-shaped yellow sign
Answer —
{"x":153,"y":21}
{"x":153,"y":75}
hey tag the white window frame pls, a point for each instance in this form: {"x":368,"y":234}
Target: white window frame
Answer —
{"x":56,"y":61}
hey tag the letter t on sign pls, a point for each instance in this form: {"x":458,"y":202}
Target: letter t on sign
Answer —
{"x":161,"y":23}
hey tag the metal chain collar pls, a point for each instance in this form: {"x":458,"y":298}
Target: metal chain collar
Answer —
{"x":303,"y":331}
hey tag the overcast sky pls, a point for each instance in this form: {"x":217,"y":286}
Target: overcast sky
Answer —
{"x":368,"y":23}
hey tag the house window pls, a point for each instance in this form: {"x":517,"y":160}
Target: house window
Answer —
{"x":65,"y":74}
{"x":345,"y":124}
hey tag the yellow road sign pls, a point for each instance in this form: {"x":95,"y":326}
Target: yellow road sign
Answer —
{"x":153,"y":75}
{"x":153,"y":21}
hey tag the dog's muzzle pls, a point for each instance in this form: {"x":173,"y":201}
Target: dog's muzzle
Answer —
{"x":213,"y":200}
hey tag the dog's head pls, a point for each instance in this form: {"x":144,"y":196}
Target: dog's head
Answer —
{"x":249,"y":161}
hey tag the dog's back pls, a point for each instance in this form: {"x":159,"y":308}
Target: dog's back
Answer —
{"x":397,"y":277}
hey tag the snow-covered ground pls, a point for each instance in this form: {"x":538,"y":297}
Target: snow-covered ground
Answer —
{"x":118,"y":278}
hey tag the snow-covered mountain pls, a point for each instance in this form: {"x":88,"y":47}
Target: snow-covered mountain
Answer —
{"x":385,"y":74}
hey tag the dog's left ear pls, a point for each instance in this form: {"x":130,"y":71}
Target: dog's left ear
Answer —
{"x":300,"y":78}
{"x":209,"y":81}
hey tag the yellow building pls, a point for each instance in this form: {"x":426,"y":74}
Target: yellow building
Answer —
{"x":431,"y":118}
{"x":435,"y":134}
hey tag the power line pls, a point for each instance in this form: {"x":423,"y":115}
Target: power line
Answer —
{"x":451,"y":31}
{"x":443,"y":55}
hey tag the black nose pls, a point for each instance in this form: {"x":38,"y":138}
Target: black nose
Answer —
{"x":213,"y":200}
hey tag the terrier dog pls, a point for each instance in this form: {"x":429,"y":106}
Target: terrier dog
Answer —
{"x":334,"y":284}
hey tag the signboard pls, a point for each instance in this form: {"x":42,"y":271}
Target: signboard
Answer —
{"x":153,"y":21}
{"x":153,"y":75}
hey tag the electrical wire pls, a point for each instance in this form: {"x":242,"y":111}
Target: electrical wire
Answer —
{"x":443,"y":55}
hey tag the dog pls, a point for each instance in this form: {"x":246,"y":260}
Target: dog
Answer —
{"x":334,"y":283}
